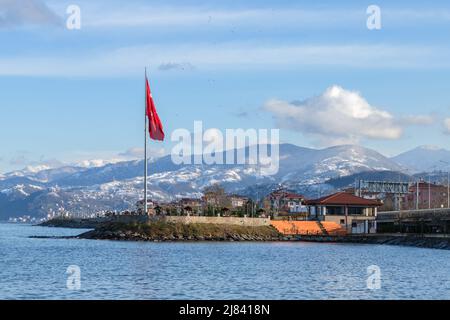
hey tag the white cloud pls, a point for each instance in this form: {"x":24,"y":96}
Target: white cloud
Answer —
{"x":447,"y":125}
{"x":418,"y":120}
{"x":24,"y":160}
{"x":138,"y":153}
{"x":132,"y":15}
{"x":409,"y":16}
{"x":26,"y":12}
{"x":94,"y":163}
{"x":88,"y":159}
{"x":337,"y":116}
{"x":230,"y":56}
{"x":132,"y":153}
{"x":175,"y":66}
{"x":97,"y":17}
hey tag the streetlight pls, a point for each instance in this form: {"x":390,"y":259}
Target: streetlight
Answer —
{"x":448,"y":183}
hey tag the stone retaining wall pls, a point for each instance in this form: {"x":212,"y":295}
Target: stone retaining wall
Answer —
{"x":95,"y":222}
{"x":249,"y":222}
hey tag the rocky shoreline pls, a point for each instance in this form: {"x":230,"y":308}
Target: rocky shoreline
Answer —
{"x":230,"y":233}
{"x":133,"y":236}
{"x":397,"y":240}
{"x":163,"y":231}
{"x":159,"y":231}
{"x":410,"y":241}
{"x":72,"y":223}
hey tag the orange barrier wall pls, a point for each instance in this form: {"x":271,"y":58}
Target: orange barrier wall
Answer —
{"x":307,"y":227}
{"x":334,"y":228}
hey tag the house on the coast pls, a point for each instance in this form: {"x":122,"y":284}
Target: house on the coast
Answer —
{"x":237,"y":201}
{"x":355,"y":214}
{"x":283,"y":202}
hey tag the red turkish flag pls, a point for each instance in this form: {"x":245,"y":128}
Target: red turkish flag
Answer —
{"x":155,"y":125}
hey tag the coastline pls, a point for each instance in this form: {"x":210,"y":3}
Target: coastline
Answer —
{"x":269,"y":235}
{"x":412,"y":240}
{"x":74,"y":223}
{"x":159,"y":231}
{"x":167,"y":231}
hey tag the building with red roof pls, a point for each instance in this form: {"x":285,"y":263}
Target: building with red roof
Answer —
{"x":355,"y":214}
{"x":282,"y":202}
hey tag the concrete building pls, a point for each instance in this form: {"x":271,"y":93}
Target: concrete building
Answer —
{"x":215,"y":196}
{"x":151,"y":205}
{"x":355,"y":214}
{"x":237,"y":201}
{"x":390,"y":201}
{"x":191,"y":206}
{"x":424,"y":195}
{"x":282,"y":202}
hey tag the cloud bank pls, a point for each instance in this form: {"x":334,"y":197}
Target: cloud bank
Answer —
{"x":337,"y":116}
{"x":224,"y":56}
{"x":418,"y":120}
{"x":447,"y":125}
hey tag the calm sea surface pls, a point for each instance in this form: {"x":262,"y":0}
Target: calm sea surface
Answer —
{"x":36,"y":269}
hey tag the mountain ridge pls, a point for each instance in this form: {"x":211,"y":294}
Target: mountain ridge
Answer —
{"x":117,"y":186}
{"x":424,"y":158}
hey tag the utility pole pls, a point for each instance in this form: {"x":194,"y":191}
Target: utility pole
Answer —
{"x":360,"y":189}
{"x":253,"y":208}
{"x":417,"y":195}
{"x":448,"y":182}
{"x":429,"y":191}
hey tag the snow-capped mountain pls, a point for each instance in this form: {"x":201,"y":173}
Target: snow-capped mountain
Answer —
{"x":120,"y":185}
{"x":312,"y":166}
{"x":424,"y":158}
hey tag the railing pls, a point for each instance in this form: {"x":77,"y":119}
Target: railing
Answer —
{"x":414,"y":214}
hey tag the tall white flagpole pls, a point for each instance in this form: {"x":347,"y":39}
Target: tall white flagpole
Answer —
{"x":145,"y":149}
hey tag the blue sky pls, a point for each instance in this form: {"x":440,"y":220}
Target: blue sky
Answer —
{"x":313,"y":70}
